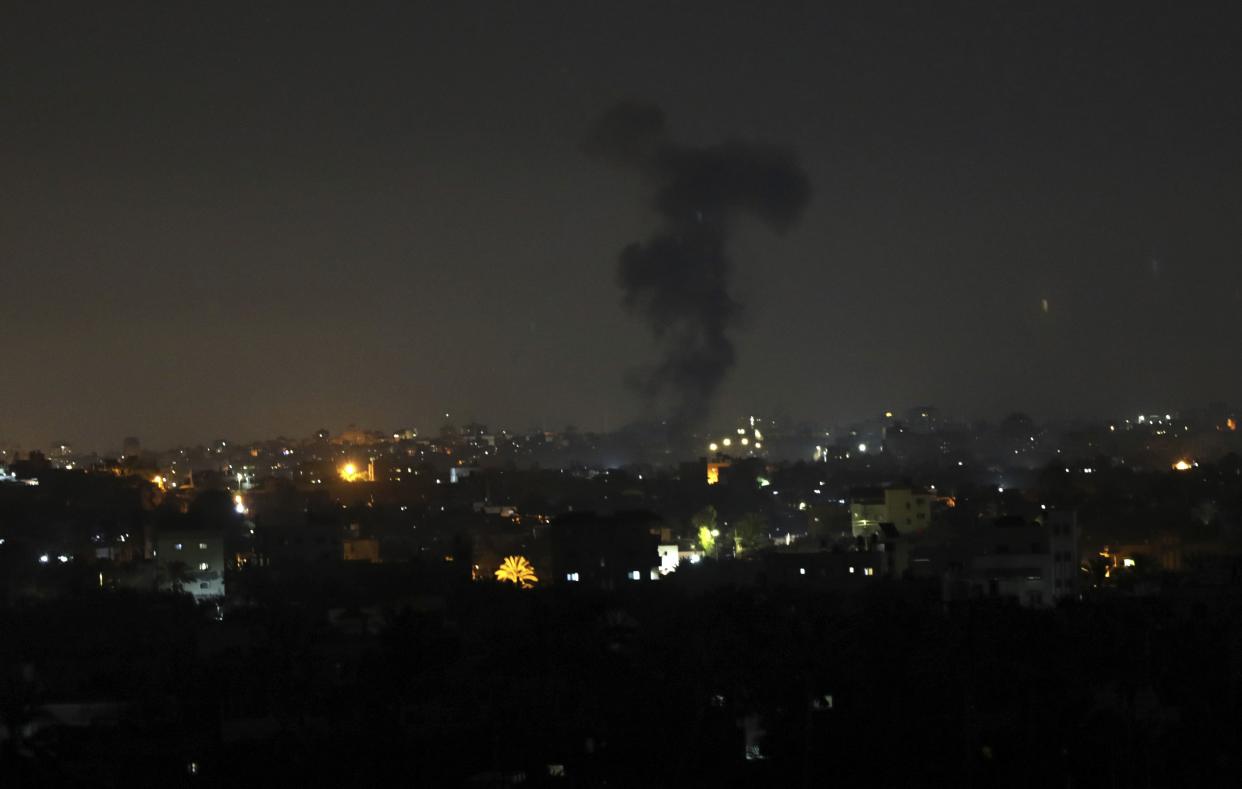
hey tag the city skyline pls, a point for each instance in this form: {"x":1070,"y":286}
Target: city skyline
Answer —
{"x":278,"y":218}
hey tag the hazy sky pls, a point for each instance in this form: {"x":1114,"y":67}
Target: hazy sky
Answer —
{"x":244,"y":219}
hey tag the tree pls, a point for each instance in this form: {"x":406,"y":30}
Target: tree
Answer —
{"x":707,"y":540}
{"x":177,"y":575}
{"x":517,"y":570}
{"x":750,"y":532}
{"x":703,"y":519}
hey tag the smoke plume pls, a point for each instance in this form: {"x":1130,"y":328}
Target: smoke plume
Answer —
{"x":678,"y":280}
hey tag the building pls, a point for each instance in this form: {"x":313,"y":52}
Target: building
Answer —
{"x":190,"y":560}
{"x":1036,"y":562}
{"x":360,"y":549}
{"x":908,"y":509}
{"x":299,"y":544}
{"x":605,"y":552}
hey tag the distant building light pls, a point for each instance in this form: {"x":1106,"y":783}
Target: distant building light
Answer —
{"x":1127,"y":562}
{"x":801,"y":571}
{"x":868,"y":571}
{"x":862,"y":447}
{"x":634,"y":575}
{"x":851,"y":569}
{"x":202,"y":565}
{"x":43,"y":559}
{"x":1183,"y":465}
{"x":571,"y":577}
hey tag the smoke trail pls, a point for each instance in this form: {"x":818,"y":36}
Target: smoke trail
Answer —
{"x":678,"y":279}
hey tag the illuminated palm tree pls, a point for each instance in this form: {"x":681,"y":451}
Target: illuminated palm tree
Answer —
{"x":516,"y":569}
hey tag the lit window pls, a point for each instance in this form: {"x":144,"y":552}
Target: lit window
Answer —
{"x":177,"y":547}
{"x":202,"y":546}
{"x":851,"y":569}
{"x":571,"y":576}
{"x":868,"y":571}
{"x":634,"y":575}
{"x":801,"y":571}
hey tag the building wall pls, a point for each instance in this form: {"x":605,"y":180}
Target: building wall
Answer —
{"x":201,"y":553}
{"x":908,"y":509}
{"x":360,"y":549}
{"x":1037,"y":563}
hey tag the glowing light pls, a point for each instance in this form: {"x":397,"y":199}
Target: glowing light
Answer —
{"x":1183,"y":465}
{"x":239,"y":506}
{"x":728,"y":442}
{"x":862,"y":447}
{"x":888,"y":414}
{"x":351,"y":473}
{"x":158,"y":481}
{"x":1231,"y":424}
{"x":712,"y":447}
{"x":713,"y":473}
{"x":517,"y":570}
{"x":745,"y":442}
{"x":1127,"y":562}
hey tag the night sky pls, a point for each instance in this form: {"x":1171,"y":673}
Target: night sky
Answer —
{"x":247,"y":219}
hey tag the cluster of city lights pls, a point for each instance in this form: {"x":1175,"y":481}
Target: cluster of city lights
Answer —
{"x":747,"y":439}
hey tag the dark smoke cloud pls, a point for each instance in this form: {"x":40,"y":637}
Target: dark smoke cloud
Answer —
{"x":678,"y":280}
